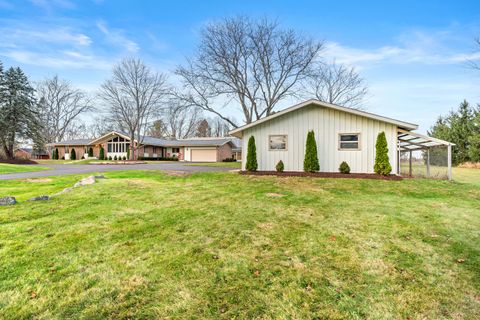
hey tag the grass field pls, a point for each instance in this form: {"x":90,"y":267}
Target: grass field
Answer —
{"x":13,"y":168}
{"x":143,"y":244}
{"x":233,"y":165}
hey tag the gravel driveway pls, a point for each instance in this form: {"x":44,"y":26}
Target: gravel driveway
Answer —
{"x":61,"y":169}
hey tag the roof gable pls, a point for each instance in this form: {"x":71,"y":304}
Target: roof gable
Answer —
{"x":402,"y":124}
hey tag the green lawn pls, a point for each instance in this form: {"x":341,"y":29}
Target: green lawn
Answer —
{"x":14,"y":168}
{"x":233,"y":165}
{"x":144,"y":244}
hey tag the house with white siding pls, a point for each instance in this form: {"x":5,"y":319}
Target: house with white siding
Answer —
{"x":341,"y":133}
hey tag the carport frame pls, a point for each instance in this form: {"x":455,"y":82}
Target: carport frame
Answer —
{"x":412,"y":141}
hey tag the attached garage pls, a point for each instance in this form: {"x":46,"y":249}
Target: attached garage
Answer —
{"x":203,"y":155}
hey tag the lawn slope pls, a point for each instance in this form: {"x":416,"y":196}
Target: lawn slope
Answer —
{"x":220,"y":245}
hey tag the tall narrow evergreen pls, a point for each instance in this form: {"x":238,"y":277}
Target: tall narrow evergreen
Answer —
{"x":382,"y":164}
{"x":310,"y":164}
{"x":251,"y":164}
{"x":101,"y":154}
{"x":73,"y":155}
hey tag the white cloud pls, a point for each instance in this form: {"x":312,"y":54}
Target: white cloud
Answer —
{"x":116,"y":37}
{"x":58,"y":35}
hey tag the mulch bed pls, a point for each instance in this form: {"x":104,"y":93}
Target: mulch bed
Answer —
{"x":18,"y":161}
{"x":323,"y":175}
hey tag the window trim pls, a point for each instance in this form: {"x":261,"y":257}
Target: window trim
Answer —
{"x":359,"y":141}
{"x":274,"y":135}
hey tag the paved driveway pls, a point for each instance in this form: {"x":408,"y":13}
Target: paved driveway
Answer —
{"x":61,"y":169}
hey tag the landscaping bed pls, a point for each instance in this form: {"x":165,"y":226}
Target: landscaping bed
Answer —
{"x":119,"y":162}
{"x":323,"y":175}
{"x":18,"y":161}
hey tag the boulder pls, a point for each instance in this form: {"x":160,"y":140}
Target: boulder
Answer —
{"x":39,"y":198}
{"x":7,"y":201}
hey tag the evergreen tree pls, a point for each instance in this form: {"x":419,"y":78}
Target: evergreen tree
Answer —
{"x":310,"y":163}
{"x":90,"y":152}
{"x":251,"y":164}
{"x":18,"y":110}
{"x":101,"y":154}
{"x":73,"y":155}
{"x":382,"y":163}
{"x":460,"y":127}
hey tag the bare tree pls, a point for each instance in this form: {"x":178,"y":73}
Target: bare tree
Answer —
{"x":337,"y":84}
{"x":99,"y":126}
{"x":219,"y":127}
{"x":60,"y":106}
{"x":254,"y":63}
{"x":180,"y":120}
{"x":134,"y":96}
{"x":158,"y":129}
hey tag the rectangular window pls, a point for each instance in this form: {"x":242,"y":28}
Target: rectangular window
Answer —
{"x":175,"y":150}
{"x":109,"y":147}
{"x":349,"y":141}
{"x":277,"y":142}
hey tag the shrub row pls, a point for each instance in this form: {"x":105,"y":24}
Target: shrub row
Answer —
{"x":158,"y":158}
{"x":229,"y":160}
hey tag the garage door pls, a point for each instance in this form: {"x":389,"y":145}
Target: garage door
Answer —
{"x":204,"y":155}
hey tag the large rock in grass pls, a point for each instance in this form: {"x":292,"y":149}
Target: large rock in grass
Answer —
{"x":7,"y":201}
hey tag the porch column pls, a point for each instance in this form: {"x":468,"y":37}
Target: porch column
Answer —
{"x":449,"y":161}
{"x":428,"y":162}
{"x":399,"y":153}
{"x":410,"y":164}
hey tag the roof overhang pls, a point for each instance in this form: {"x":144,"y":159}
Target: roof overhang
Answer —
{"x":412,"y":141}
{"x":401,"y":124}
{"x":109,"y":135}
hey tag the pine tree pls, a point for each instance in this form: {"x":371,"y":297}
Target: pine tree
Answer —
{"x":73,"y":155}
{"x":90,"y":152}
{"x":18,"y":110}
{"x":251,"y":164}
{"x":101,"y":154}
{"x":382,"y":164}
{"x":310,"y":163}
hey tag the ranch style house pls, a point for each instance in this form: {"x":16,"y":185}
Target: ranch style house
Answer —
{"x":116,"y":144}
{"x":341,"y":133}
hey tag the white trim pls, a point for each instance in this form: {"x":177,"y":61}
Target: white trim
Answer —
{"x":410,"y":126}
{"x":112,"y":133}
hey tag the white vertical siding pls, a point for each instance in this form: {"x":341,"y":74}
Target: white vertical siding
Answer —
{"x":327,"y":125}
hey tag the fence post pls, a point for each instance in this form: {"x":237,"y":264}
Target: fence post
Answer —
{"x":428,"y":162}
{"x":410,"y":164}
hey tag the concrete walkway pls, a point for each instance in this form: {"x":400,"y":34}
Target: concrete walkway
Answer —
{"x":61,"y":169}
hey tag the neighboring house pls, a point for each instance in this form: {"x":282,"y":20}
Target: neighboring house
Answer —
{"x":116,"y":144}
{"x":29,"y":153}
{"x":342,"y":134}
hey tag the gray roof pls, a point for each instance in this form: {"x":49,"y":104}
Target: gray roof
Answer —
{"x":74,"y":142}
{"x":161,"y":142}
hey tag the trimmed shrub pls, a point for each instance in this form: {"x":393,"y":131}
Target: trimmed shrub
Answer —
{"x":128,"y":153}
{"x":229,"y":160}
{"x":115,"y":158}
{"x":279,"y":167}
{"x":73,"y":155}
{"x":53,"y":154}
{"x":56,"y":153}
{"x":344,"y":167}
{"x":101,"y":154}
{"x":90,"y":152}
{"x":251,"y":164}
{"x":110,"y":158}
{"x":124,"y":158}
{"x":310,"y":164}
{"x":382,"y":164}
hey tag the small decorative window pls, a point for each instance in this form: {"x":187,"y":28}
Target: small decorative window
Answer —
{"x":175,"y":150}
{"x":349,"y":141}
{"x":277,"y":142}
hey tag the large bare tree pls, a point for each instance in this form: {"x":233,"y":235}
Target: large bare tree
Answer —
{"x":256,"y":64}
{"x":180,"y":120}
{"x":60,"y":106}
{"x":337,"y":84}
{"x":134,"y":96}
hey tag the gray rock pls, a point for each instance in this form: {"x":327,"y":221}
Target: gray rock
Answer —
{"x":6,"y":201}
{"x":39,"y":198}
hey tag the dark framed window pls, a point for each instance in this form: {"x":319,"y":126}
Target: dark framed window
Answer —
{"x":349,"y":141}
{"x":175,"y":150}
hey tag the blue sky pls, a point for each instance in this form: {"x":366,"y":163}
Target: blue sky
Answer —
{"x":413,"y":54}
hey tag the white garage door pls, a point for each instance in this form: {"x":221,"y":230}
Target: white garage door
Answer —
{"x":204,"y":155}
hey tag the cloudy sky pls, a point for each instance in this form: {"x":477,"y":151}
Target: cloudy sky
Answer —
{"x":414,"y":54}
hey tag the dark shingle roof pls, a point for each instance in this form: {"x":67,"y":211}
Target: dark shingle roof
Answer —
{"x":74,"y":142}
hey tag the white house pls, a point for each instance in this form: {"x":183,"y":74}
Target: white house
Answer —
{"x":342,"y":134}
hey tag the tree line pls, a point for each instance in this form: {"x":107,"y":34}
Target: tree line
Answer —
{"x":241,"y":66}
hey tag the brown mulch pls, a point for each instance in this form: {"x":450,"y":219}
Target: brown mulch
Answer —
{"x":18,"y":161}
{"x":323,"y":175}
